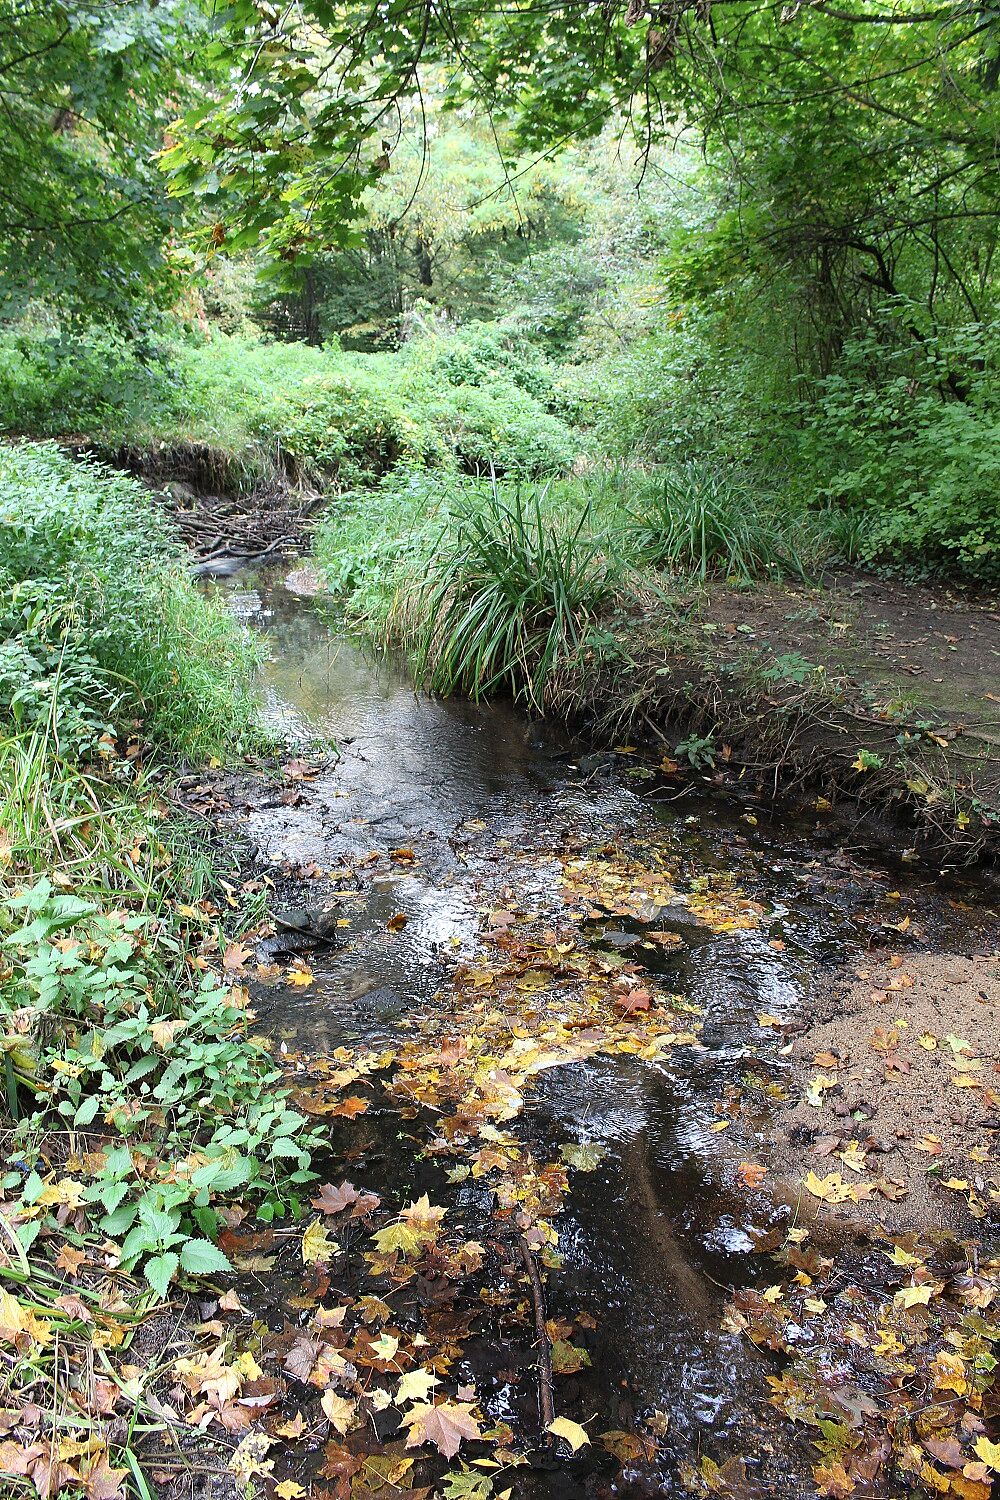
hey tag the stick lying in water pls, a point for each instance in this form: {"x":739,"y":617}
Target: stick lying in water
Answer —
{"x":546,"y":1400}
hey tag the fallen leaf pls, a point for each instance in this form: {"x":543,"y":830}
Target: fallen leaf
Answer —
{"x":446,"y":1426}
{"x":988,"y":1452}
{"x":335,"y":1200}
{"x":339,"y":1411}
{"x":571,"y":1432}
{"x":415,"y":1385}
{"x":751,"y":1173}
{"x":317,"y":1244}
{"x":913,"y":1296}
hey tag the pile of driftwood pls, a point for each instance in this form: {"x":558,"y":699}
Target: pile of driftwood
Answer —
{"x":226,"y":513}
{"x":225,"y":532}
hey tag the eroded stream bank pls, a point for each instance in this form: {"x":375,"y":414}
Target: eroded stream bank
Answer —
{"x":562,"y":996}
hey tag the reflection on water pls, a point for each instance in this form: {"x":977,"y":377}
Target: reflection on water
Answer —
{"x":655,"y":1235}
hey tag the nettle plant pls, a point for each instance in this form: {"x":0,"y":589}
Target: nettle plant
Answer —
{"x":102,"y":1034}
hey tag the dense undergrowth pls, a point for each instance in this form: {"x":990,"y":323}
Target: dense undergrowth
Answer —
{"x":879,"y":456}
{"x":137,"y":1105}
{"x":474,"y":401}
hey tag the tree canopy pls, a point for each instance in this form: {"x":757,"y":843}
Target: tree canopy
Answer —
{"x":87,"y":90}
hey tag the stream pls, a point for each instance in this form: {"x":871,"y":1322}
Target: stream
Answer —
{"x":655,"y":1236}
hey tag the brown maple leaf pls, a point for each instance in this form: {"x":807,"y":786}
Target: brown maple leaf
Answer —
{"x":334,"y":1200}
{"x":301,"y":1357}
{"x":446,"y":1426}
{"x":70,"y":1260}
{"x":751,"y":1173}
{"x":235,"y":957}
{"x":349,"y":1107}
{"x":70,"y":1303}
{"x":633,"y":1001}
{"x":338,"y":1463}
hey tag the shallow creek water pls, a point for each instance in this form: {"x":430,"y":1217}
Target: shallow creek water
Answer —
{"x":654,"y":1238}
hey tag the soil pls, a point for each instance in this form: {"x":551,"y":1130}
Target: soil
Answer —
{"x":908,"y":1054}
{"x":875,"y":703}
{"x":933,"y":647}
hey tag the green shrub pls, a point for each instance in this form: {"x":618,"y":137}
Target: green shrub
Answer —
{"x":100,"y":628}
{"x":478,"y":353}
{"x":89,"y":384}
{"x":371,"y":542}
{"x":888,"y":440}
{"x":509,"y":597}
{"x":113,"y":1024}
{"x":505,"y":431}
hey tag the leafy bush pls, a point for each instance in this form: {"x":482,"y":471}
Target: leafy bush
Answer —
{"x":887,"y":439}
{"x":509,"y":597}
{"x":480,"y":353}
{"x":504,"y":430}
{"x":474,"y":400}
{"x":685,"y":392}
{"x":108,"y":1027}
{"x":100,"y":628}
{"x":369,"y":543}
{"x":92,"y":383}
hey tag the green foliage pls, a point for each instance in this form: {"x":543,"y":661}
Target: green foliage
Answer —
{"x":510,"y":597}
{"x":87,"y":90}
{"x":885,"y":439}
{"x":114,"y":1024}
{"x":369,"y":543}
{"x":101,"y":632}
{"x":86,"y":382}
{"x":108,"y":1029}
{"x":453,"y":215}
{"x":473,"y":400}
{"x":348,"y":416}
{"x":698,"y":750}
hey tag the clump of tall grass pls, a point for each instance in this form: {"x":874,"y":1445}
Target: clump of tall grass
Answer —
{"x":509,"y":596}
{"x":700,"y":520}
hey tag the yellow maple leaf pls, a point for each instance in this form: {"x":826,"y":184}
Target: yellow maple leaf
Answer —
{"x":576,"y":1435}
{"x":913,"y":1296}
{"x":949,"y":1373}
{"x":317,"y":1244}
{"x":424,"y":1218}
{"x":397,"y":1237}
{"x":416,"y":1385}
{"x":988,"y":1452}
{"x":12,"y":1317}
{"x":338,"y":1411}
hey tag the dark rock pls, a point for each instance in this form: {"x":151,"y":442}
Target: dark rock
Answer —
{"x":383,"y":1003}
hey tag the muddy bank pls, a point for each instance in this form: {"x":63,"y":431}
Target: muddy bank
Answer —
{"x":570,"y":1000}
{"x":868,"y":704}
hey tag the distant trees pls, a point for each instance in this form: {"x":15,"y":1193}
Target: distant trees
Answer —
{"x":854,"y":142}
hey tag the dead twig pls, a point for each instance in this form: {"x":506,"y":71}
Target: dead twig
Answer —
{"x":546,"y":1397}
